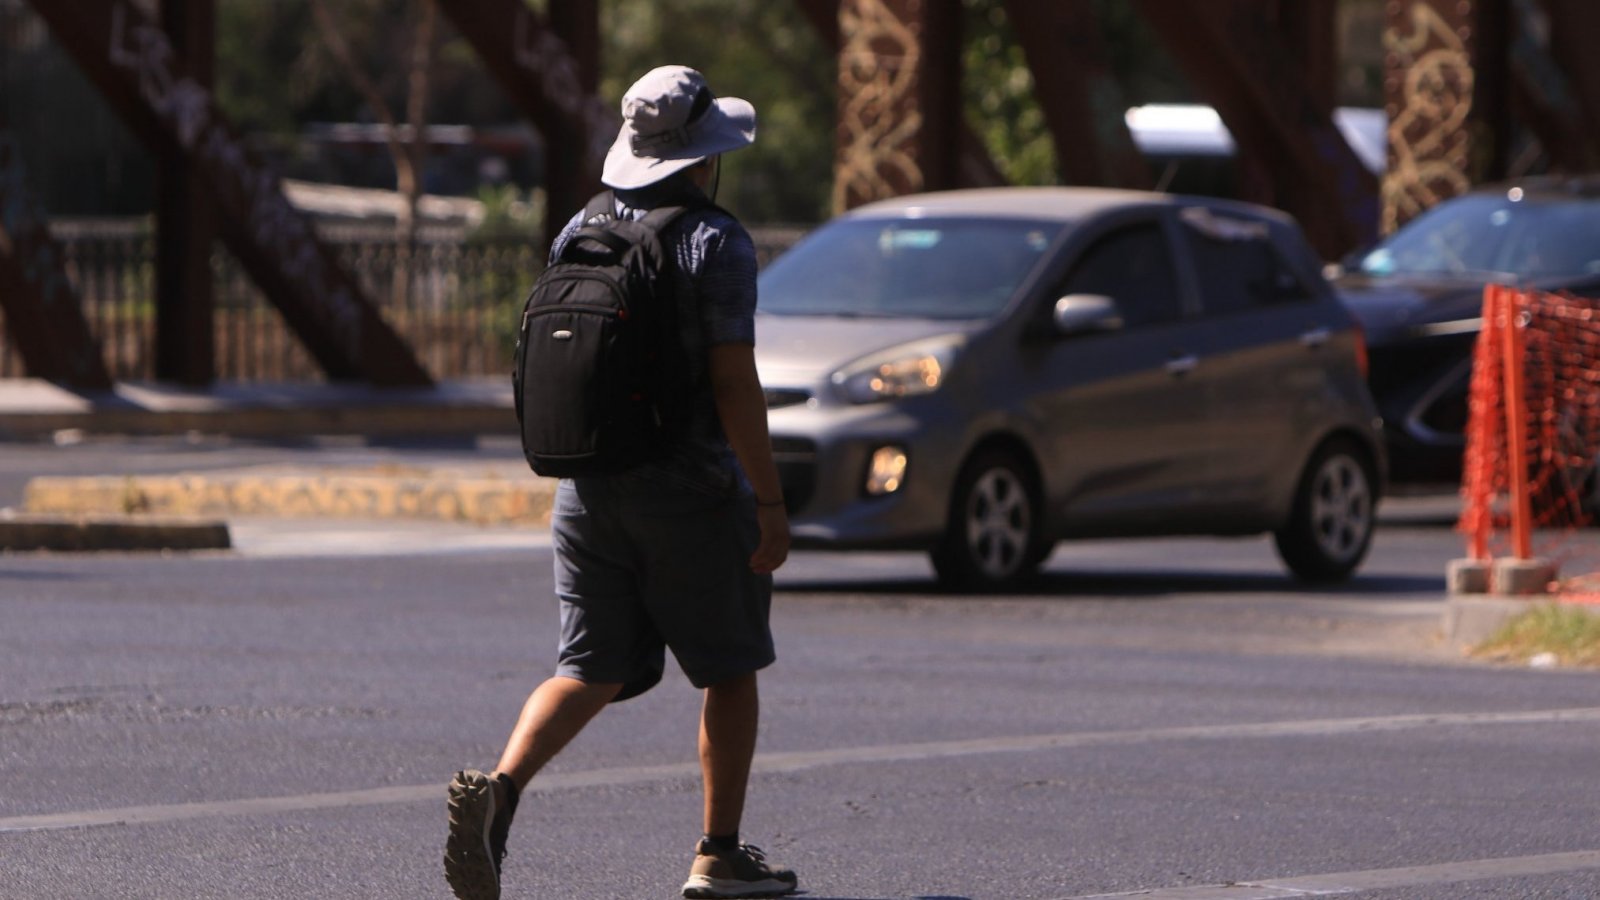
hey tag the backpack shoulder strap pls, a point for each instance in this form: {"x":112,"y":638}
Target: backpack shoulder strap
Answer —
{"x":600,"y":211}
{"x":601,"y":206}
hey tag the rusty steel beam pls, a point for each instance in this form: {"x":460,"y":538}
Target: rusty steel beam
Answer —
{"x":1491,"y":94}
{"x":1078,"y":93}
{"x":899,"y":99}
{"x":185,"y":350}
{"x":570,"y":178}
{"x":975,"y":166}
{"x":1543,"y":99}
{"x":550,"y":71}
{"x":43,"y":315}
{"x":132,"y":62}
{"x":1311,"y":29}
{"x":1574,"y":25}
{"x":1241,"y":59}
{"x":824,"y":17}
{"x":1447,"y":98}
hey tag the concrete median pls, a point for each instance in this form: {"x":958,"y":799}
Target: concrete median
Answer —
{"x":70,"y":534}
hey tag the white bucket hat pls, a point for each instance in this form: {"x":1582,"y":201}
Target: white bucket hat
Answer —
{"x":670,"y":121}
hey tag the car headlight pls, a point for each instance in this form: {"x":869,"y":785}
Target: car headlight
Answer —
{"x":904,"y":371}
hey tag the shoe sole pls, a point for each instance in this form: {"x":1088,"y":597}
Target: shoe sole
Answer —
{"x":701,"y":887}
{"x":468,"y":861}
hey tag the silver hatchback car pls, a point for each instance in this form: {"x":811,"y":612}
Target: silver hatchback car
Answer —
{"x":979,"y":374}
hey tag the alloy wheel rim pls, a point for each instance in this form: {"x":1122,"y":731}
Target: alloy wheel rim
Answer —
{"x":999,"y":519}
{"x":1341,"y":508}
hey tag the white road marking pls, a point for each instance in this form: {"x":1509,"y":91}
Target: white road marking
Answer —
{"x":1333,"y":885}
{"x":769,"y":763}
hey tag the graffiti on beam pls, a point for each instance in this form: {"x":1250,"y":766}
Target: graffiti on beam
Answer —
{"x":540,"y":51}
{"x":1429,"y":142}
{"x":277,"y":227}
{"x":878,"y":117}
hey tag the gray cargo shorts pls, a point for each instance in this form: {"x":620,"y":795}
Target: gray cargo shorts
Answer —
{"x":646,"y":563}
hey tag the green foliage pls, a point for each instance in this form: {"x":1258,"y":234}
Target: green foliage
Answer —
{"x":275,"y":73}
{"x":1141,"y":65}
{"x":998,"y":95}
{"x":998,"y":91}
{"x":256,"y":44}
{"x":763,"y":51}
{"x":509,"y":213}
{"x":1570,"y":633}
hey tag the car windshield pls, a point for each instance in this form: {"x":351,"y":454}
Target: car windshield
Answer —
{"x":906,"y":268}
{"x":1494,"y":235}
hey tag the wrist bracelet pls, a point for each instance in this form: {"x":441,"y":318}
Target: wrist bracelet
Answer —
{"x":760,"y":502}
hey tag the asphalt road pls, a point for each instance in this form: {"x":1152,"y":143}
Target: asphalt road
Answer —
{"x":1166,"y":716}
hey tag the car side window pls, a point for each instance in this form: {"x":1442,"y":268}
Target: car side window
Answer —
{"x":1238,"y":267}
{"x":1132,"y":266}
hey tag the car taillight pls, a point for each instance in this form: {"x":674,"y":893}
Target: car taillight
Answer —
{"x":1363,"y":362}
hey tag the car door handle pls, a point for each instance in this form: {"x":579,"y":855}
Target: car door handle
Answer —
{"x":1315,"y":338}
{"x":1182,"y":365}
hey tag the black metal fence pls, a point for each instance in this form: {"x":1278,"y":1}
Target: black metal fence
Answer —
{"x":457,"y":309}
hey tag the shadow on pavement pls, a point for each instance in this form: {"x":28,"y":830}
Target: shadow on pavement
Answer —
{"x":1130,"y":585}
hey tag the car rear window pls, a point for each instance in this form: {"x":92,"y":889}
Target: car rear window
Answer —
{"x":1238,"y":266}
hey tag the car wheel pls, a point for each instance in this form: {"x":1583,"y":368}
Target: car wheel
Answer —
{"x":992,"y":539}
{"x":1334,"y":515}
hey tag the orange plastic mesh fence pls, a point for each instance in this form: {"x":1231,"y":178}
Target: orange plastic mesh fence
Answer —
{"x":1558,"y":414}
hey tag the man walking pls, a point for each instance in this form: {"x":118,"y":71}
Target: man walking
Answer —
{"x":675,"y":554}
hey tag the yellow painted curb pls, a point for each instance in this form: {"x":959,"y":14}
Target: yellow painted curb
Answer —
{"x":482,"y":501}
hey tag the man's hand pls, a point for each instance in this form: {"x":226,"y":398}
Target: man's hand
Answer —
{"x":774,"y":546}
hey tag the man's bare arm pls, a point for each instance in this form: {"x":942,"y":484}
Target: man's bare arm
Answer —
{"x":742,"y":407}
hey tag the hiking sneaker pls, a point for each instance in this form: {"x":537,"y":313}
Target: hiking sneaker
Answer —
{"x":480,"y":817}
{"x":742,"y":872}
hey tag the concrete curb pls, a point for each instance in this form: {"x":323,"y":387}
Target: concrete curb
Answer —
{"x":478,"y":500}
{"x":101,"y":533}
{"x":1471,"y":619}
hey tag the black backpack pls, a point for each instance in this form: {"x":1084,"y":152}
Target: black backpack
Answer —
{"x":601,"y":380}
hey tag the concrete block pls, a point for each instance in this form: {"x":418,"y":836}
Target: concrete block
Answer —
{"x":1522,"y":577}
{"x":1468,"y":576}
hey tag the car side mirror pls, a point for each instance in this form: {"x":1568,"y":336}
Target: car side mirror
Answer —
{"x":1085,"y":313}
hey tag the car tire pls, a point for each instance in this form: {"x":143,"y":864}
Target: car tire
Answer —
{"x":1334,"y":515}
{"x":992,"y":537}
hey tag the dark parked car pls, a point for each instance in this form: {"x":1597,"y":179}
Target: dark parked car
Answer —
{"x":979,"y":374}
{"x":1419,"y":294}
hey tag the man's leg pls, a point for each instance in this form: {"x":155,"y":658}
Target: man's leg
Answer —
{"x":723,"y":866}
{"x":727,"y":744}
{"x":481,"y":806}
{"x":554,"y":714}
